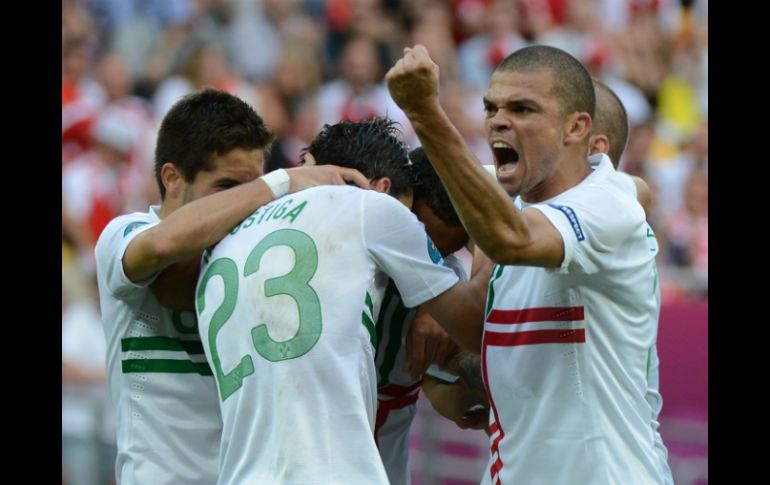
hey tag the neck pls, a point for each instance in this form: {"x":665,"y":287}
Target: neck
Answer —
{"x":567,"y":175}
{"x":167,"y":206}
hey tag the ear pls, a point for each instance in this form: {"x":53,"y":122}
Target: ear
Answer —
{"x":307,"y":159}
{"x":598,"y":143}
{"x":382,"y":185}
{"x":578,"y":127}
{"x":172,"y":180}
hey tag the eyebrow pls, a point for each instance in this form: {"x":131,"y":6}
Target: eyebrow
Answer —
{"x":514,"y":103}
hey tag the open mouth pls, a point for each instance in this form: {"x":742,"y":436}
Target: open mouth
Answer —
{"x":506,"y":158}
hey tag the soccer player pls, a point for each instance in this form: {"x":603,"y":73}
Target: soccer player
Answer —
{"x":287,"y":305}
{"x":609,"y":135}
{"x":572,"y":310}
{"x":168,"y":417}
{"x":409,"y":340}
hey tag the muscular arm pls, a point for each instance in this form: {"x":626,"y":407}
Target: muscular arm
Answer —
{"x":426,"y":343}
{"x":461,"y":312}
{"x":203,"y":222}
{"x":505,"y":234}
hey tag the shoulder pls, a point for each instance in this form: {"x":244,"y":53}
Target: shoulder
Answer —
{"x":128,"y":222}
{"x":603,"y":207}
{"x":122,"y":226}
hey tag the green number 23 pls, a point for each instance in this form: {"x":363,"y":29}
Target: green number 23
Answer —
{"x":294,"y":283}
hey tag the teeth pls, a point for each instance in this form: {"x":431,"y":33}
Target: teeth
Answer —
{"x":500,"y":144}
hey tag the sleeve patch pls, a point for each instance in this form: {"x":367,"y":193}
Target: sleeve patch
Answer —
{"x":433,"y":252}
{"x":133,"y":226}
{"x":573,"y":220}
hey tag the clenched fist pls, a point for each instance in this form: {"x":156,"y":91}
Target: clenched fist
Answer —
{"x":413,"y":80}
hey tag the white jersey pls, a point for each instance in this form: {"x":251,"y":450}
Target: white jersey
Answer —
{"x":565,"y":350}
{"x":397,"y":392}
{"x":653,"y":364}
{"x":287,"y":305}
{"x":160,"y":384}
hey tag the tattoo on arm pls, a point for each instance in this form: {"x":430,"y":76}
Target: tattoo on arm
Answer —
{"x":470,"y":370}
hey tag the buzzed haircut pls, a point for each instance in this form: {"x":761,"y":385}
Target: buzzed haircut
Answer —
{"x":431,"y":190}
{"x":372,"y":147}
{"x":572,"y":85}
{"x":202,"y":125}
{"x":611,"y":120}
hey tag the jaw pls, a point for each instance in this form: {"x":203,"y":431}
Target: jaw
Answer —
{"x":507,"y":161}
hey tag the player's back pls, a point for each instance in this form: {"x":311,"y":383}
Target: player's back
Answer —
{"x":286,"y":305}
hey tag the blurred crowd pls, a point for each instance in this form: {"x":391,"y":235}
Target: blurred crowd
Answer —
{"x":304,"y":63}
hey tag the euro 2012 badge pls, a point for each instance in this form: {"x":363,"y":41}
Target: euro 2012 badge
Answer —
{"x":433,"y":252}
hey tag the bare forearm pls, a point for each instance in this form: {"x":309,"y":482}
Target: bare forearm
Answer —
{"x":460,"y":311}
{"x":204,"y":222}
{"x":486,"y":211}
{"x":192,"y":228}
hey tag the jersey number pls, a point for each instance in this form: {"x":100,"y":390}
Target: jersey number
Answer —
{"x":294,"y":284}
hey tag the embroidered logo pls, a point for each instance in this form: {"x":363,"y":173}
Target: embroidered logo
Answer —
{"x":573,"y":220}
{"x":433,"y":252}
{"x":133,"y":226}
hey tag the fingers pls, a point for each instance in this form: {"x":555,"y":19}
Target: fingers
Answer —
{"x":415,"y":356}
{"x":413,"y":59}
{"x":444,"y":350}
{"x":311,"y":176}
{"x":353,"y":176}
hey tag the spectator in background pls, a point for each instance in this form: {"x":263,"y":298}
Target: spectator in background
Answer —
{"x":302,"y":129}
{"x":479,"y":55}
{"x":88,"y":422}
{"x":686,"y":236}
{"x":95,"y":183}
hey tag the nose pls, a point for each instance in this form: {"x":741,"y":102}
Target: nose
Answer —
{"x":499,"y":121}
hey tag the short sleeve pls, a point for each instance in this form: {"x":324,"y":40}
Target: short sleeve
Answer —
{"x":593,"y":230}
{"x":398,"y":243}
{"x":111,"y":247}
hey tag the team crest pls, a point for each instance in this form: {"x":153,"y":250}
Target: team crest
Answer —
{"x":433,"y":252}
{"x":132,"y":226}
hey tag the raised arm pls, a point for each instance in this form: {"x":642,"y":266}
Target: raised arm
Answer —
{"x":504,"y":233}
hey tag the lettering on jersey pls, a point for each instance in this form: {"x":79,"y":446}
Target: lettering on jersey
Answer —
{"x":573,"y":220}
{"x":433,"y":252}
{"x":652,"y":242}
{"x":133,"y":226}
{"x":272,"y":211}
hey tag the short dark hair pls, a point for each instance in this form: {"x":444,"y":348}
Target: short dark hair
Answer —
{"x":611,"y":119}
{"x":431,"y":190}
{"x":202,"y":125}
{"x":371,"y":147}
{"x":572,"y":84}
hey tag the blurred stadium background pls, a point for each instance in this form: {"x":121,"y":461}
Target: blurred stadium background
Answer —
{"x":303,"y":63}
